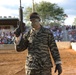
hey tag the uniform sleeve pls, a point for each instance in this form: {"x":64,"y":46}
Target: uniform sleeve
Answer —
{"x":53,"y":48}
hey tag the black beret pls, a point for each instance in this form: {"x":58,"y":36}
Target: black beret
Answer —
{"x":34,"y":15}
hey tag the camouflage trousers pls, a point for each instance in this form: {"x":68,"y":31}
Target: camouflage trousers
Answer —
{"x":39,"y":72}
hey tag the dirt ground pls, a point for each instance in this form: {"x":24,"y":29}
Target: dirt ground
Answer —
{"x":13,"y":63}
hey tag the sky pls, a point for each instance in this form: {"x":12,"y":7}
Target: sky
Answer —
{"x":11,"y":8}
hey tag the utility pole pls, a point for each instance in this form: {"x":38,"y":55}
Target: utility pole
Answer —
{"x":33,"y":9}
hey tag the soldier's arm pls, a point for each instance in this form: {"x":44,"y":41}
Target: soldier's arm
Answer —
{"x":53,"y":48}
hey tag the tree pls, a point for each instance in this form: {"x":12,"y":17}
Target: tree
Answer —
{"x":49,"y":12}
{"x":74,"y":23}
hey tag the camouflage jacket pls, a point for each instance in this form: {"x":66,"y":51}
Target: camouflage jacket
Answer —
{"x":40,"y":46}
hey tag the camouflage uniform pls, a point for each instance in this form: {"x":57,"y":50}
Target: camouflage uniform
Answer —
{"x":41,"y":43}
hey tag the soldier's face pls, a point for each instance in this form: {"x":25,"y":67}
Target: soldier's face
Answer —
{"x":34,"y":22}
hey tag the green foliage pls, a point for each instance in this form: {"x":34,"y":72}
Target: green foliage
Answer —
{"x":27,"y":12}
{"x":74,"y":23}
{"x":49,"y":12}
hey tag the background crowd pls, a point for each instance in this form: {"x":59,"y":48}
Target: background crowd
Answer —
{"x":61,"y":33}
{"x":6,"y":37}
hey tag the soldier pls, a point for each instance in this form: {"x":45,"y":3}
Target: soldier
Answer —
{"x":40,"y":44}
